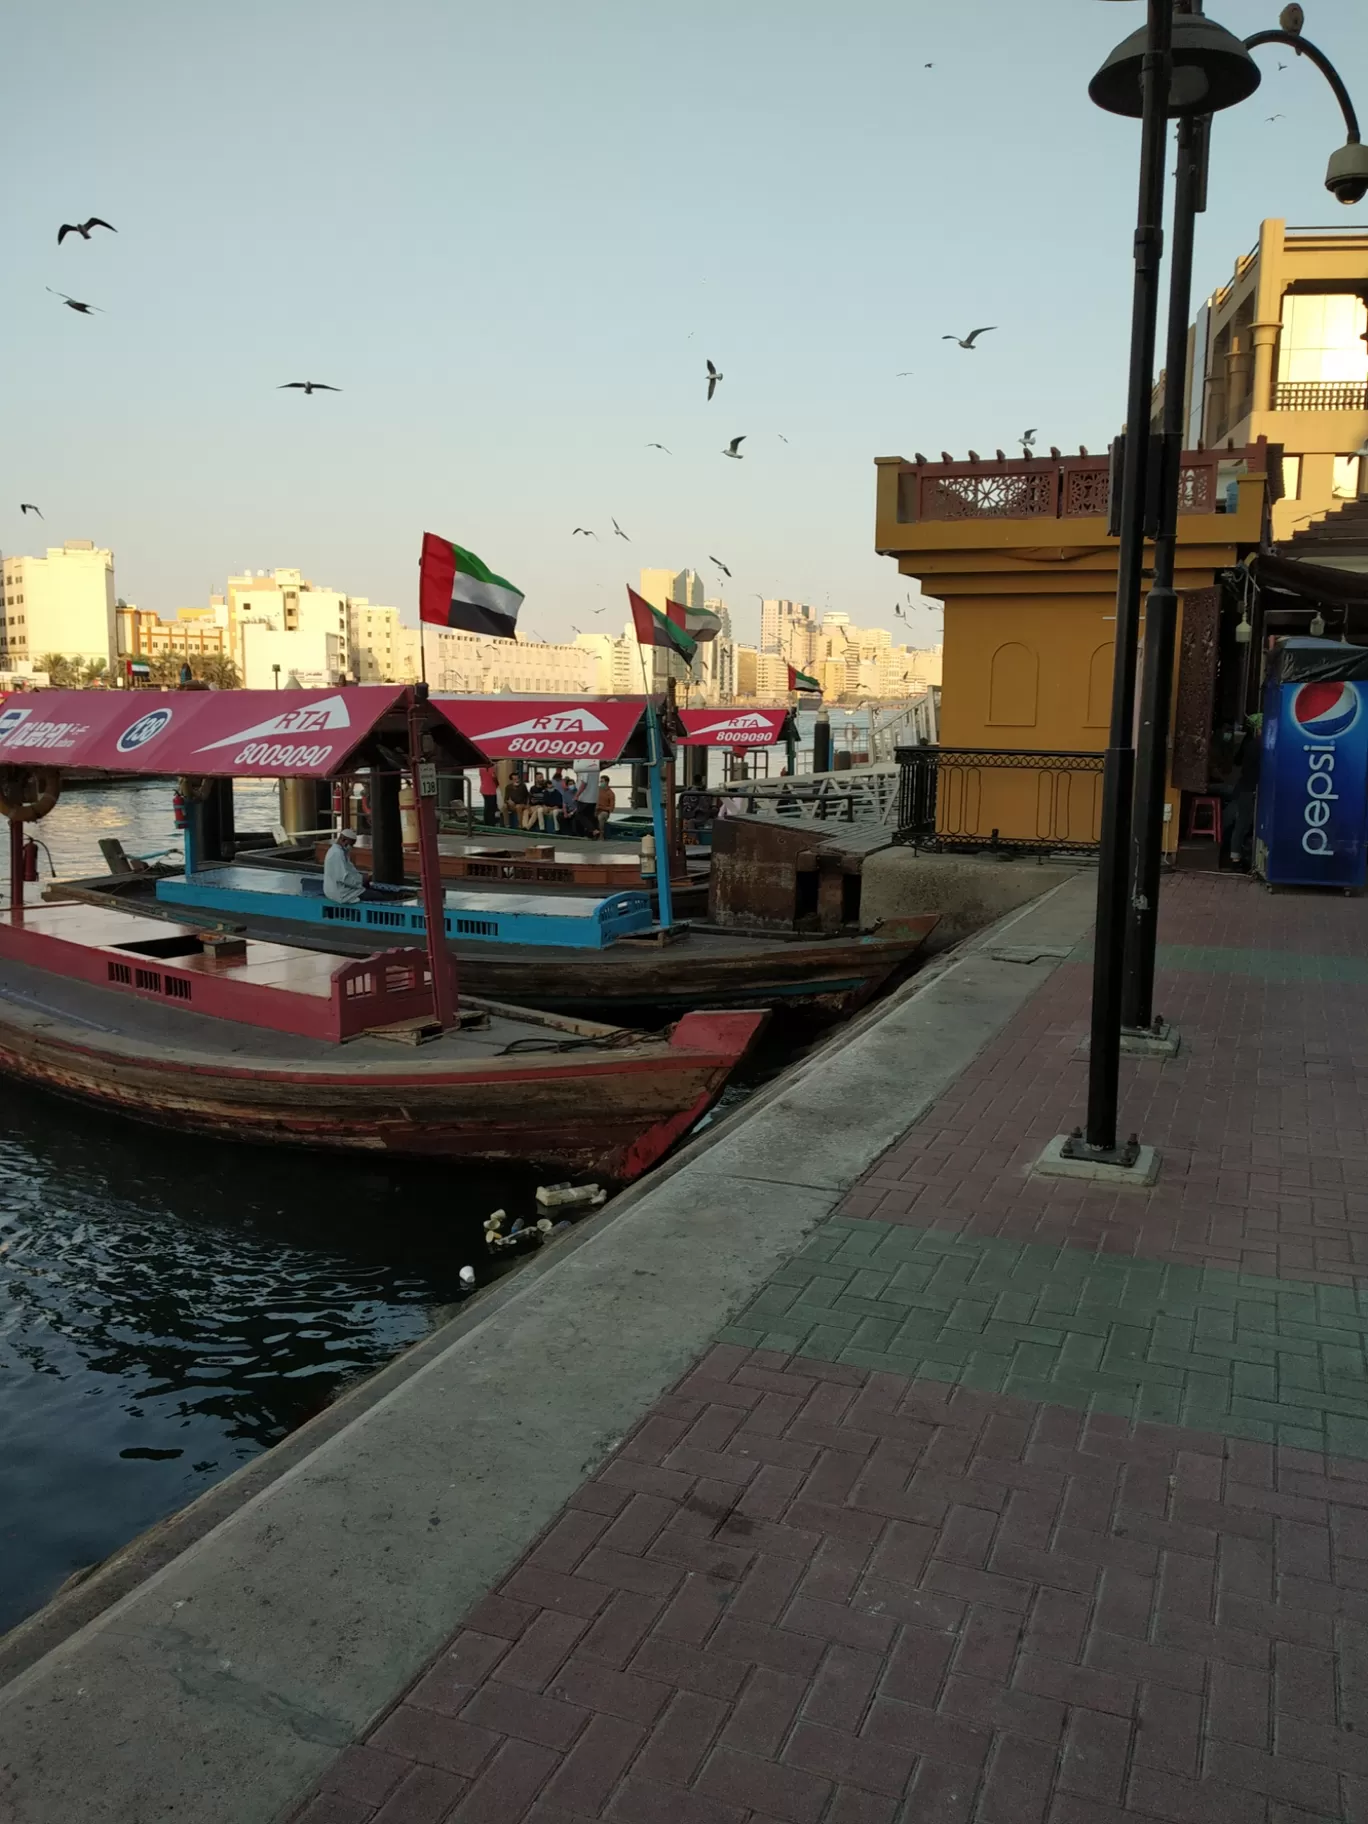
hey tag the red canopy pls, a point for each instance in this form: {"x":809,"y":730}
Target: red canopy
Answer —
{"x":243,"y":733}
{"x":733,"y":727}
{"x":604,"y":729}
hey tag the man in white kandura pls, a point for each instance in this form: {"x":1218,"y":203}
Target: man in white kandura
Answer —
{"x":343,"y":883}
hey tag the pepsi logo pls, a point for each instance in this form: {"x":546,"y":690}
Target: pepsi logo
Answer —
{"x":1326,"y":711}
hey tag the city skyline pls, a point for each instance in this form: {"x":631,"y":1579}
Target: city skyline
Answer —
{"x":506,"y":413}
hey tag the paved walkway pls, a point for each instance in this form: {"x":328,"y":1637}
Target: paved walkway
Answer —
{"x":1002,"y":1500}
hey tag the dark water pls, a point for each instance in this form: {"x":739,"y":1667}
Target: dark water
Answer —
{"x":168,"y":1307}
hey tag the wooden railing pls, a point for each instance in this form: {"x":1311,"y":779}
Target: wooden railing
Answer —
{"x":1050,"y":487}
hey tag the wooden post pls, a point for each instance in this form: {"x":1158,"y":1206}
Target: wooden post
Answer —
{"x":16,"y":859}
{"x":440,"y":960}
{"x":658,"y":819}
{"x":673,"y":831}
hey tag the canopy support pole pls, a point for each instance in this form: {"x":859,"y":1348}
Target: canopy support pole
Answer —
{"x":663,"y":858}
{"x":440,"y":960}
{"x":16,"y":860}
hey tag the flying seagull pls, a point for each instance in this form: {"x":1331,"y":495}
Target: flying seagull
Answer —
{"x":780,"y":435}
{"x":713,"y":378}
{"x":1275,"y":117}
{"x":659,"y":446}
{"x":83,"y":228}
{"x":968,"y":341}
{"x":585,"y":530}
{"x":905,"y":373}
{"x":928,"y":66}
{"x":74,"y":303}
{"x":718,"y":561}
{"x":1029,"y":436}
{"x":308,"y":386}
{"x":618,"y":529}
{"x":731,"y":449}
{"x":27,"y":506}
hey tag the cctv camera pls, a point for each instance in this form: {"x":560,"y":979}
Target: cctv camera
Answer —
{"x":1346,"y":176}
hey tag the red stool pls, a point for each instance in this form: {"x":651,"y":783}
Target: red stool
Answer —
{"x":1204,"y":818}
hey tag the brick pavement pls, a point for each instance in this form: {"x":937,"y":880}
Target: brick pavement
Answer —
{"x":1005,"y":1502}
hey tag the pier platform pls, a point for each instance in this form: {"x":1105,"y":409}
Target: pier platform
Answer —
{"x":845,"y":1473}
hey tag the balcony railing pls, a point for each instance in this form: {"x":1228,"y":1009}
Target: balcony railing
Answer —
{"x":1049,"y":487}
{"x":1022,"y":799}
{"x":1320,"y":396}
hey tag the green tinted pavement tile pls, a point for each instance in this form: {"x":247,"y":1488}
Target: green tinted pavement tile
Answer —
{"x":1296,"y":1307}
{"x":740,"y":1334}
{"x":1345,"y":1436}
{"x":1258,"y":1429}
{"x":868,"y":1282}
{"x":794,"y":1273}
{"x":856,"y":1248}
{"x":822,"y":1245}
{"x":828,"y":1343}
{"x":923,"y":1326}
{"x":1255,"y":1382}
{"x":1109,"y":1399}
{"x":821,"y":1292}
{"x":808,"y":1315}
{"x":1079,"y":1353}
{"x":867,"y":1307}
{"x":875,"y":1333}
{"x":785,"y":1341}
{"x":1269,"y":1412}
{"x":1162,"y":1404}
{"x":1033,"y":1359}
{"x":988,"y":1373}
{"x":1214,"y":1326}
{"x":1300,"y":1437}
{"x":1126,"y":1343}
{"x":968,"y":1314}
{"x":1172,"y":1332}
{"x":912,"y":1276}
{"x":1321,"y":1333}
{"x":1008,"y":1334}
{"x":1297,"y":1371}
{"x":1189,"y":1362}
{"x":772,"y":1302}
{"x":1060,"y":1300}
{"x":1343,"y":1363}
{"x":1251,"y":1314}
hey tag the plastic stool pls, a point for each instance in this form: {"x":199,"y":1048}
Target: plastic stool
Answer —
{"x":1204,"y":818}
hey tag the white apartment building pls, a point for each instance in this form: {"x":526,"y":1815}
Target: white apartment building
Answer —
{"x":286,"y":602}
{"x":275,"y":658}
{"x":477,"y":665}
{"x":383,"y":650}
{"x":617,"y":665}
{"x":62,"y":603}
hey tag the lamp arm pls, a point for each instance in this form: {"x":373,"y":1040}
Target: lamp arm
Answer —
{"x":1304,"y":48}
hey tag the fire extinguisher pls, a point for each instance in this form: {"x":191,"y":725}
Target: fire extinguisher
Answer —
{"x":30,"y":859}
{"x":339,"y":801}
{"x":178,"y":807}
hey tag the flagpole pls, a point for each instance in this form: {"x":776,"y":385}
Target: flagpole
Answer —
{"x":656,"y":768}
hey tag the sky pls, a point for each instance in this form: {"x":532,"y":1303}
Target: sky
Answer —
{"x":513,"y":234}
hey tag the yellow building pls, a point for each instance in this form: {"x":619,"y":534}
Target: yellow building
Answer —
{"x":194,"y":634}
{"x":1280,"y":353}
{"x":1020,"y":553}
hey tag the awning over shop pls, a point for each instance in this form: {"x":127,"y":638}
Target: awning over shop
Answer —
{"x":603,"y":729}
{"x":1306,"y":660}
{"x":241,"y":733}
{"x":1323,"y":584}
{"x":734,"y":728}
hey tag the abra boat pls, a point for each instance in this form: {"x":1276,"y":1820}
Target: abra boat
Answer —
{"x":250,"y":1040}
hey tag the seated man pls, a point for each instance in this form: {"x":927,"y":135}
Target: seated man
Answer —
{"x":344,"y":883}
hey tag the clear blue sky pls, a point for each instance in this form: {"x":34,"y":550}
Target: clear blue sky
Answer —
{"x":513,"y":233}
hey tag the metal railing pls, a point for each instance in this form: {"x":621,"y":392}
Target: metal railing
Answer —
{"x":865,"y":795}
{"x":1008,"y":799}
{"x":1320,"y":396}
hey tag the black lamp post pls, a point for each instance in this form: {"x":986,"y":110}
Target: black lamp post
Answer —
{"x":1174,"y":66}
{"x":1347,"y":179}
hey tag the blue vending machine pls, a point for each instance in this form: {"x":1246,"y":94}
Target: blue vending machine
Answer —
{"x":1313,"y":776}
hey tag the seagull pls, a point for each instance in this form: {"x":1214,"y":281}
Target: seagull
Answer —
{"x":713,"y":378}
{"x":1029,"y":436}
{"x":928,"y":66}
{"x":905,"y":374}
{"x":27,"y":506}
{"x":618,"y":529}
{"x":308,"y":386}
{"x":731,"y":449}
{"x":83,"y":228}
{"x":74,"y":303}
{"x":718,"y":561}
{"x":659,"y":446}
{"x":968,"y":341}
{"x":780,"y":435}
{"x":585,"y":530}
{"x":1275,"y":117}
{"x":1282,"y":66}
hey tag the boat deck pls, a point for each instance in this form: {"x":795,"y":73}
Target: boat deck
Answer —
{"x":125,"y":1022}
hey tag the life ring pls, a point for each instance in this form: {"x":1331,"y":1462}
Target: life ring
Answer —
{"x":28,"y":793}
{"x":194,"y":791}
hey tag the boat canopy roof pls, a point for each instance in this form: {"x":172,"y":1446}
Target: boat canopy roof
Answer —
{"x":736,"y":727}
{"x":245,"y":733}
{"x":272,"y":734}
{"x":552,"y":730}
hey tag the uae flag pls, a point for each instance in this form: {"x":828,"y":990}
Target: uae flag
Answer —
{"x":457,"y":589}
{"x":699,"y":623}
{"x":656,"y":629}
{"x":799,"y":680}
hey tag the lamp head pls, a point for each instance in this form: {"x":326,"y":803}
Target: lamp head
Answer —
{"x":1346,"y":176}
{"x":1211,"y":70}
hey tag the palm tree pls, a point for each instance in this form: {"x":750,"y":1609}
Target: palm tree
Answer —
{"x":218,"y":669}
{"x":63,"y":673}
{"x":94,"y":671}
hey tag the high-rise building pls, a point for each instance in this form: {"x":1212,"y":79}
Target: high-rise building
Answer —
{"x":285,"y":602}
{"x":786,"y":628}
{"x":659,"y":588}
{"x":62,"y":603}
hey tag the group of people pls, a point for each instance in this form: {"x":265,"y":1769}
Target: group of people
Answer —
{"x":559,"y":804}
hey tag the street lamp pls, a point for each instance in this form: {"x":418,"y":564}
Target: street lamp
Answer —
{"x":1176,"y":66}
{"x":1346,"y":179}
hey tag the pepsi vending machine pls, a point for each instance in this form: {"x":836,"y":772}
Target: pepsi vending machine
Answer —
{"x":1313,"y":775}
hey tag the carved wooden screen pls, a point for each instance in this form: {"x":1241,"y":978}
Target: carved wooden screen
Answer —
{"x":1196,"y":689}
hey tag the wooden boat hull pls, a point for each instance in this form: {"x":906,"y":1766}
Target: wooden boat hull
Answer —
{"x":630,"y":982}
{"x":610,"y":1109}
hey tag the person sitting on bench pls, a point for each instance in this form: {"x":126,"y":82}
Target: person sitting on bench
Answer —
{"x":343,"y":882}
